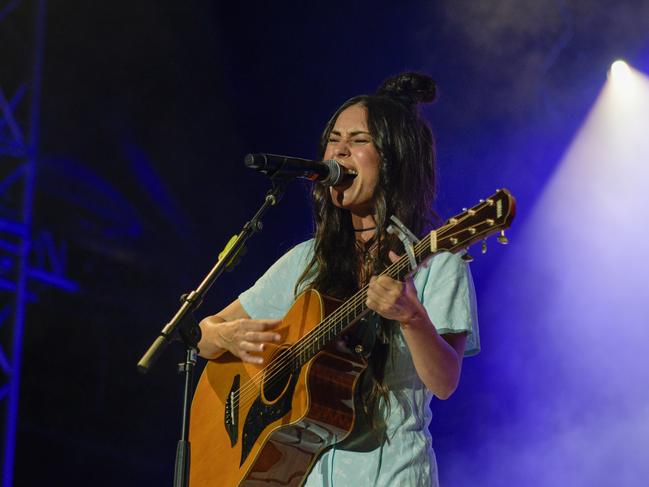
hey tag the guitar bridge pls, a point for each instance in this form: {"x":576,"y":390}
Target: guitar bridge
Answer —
{"x":232,"y":410}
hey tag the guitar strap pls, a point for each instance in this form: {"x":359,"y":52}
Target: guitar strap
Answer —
{"x":367,"y":434}
{"x":362,"y":337}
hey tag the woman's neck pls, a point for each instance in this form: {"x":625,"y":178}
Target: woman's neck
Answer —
{"x":364,"y":227}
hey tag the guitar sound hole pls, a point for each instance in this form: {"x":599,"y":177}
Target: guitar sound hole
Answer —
{"x":276,"y":379}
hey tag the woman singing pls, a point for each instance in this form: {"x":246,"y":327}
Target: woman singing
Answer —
{"x":422,"y":327}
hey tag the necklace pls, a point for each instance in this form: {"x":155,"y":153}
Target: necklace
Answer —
{"x":364,"y":229}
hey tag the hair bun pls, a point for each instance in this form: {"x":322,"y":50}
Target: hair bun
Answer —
{"x":409,"y":88}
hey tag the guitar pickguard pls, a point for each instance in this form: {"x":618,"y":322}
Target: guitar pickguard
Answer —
{"x":261,"y":415}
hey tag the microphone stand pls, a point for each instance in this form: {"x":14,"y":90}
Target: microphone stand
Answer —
{"x":183,"y":325}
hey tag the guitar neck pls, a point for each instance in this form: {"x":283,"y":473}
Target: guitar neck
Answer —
{"x":459,"y":232}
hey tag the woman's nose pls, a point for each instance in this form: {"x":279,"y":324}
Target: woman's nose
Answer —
{"x":341,"y":149}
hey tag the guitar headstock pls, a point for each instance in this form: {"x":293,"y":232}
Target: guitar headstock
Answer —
{"x":490,"y":216}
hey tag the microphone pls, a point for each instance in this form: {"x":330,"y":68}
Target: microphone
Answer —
{"x":329,"y":173}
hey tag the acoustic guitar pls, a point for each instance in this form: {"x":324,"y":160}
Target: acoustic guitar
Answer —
{"x":265,"y":425}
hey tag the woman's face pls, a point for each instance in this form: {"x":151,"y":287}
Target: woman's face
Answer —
{"x":350,"y":143}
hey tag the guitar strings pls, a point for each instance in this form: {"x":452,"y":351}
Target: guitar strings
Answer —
{"x":279,"y":364}
{"x":353,"y":302}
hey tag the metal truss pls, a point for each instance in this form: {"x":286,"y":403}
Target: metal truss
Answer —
{"x":27,"y":257}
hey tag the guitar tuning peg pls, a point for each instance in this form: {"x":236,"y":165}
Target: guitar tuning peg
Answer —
{"x":484,"y":247}
{"x":502,"y":239}
{"x":467,"y":257}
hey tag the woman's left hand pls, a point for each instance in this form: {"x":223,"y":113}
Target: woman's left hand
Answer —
{"x":395,"y":300}
{"x":437,"y":358}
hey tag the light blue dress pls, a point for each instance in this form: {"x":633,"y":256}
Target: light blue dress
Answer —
{"x":406,"y":459}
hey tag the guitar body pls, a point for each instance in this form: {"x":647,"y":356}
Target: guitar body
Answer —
{"x":266,"y":425}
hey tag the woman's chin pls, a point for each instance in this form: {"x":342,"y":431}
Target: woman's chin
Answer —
{"x":339,"y":196}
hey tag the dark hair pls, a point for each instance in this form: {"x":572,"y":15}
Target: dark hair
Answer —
{"x":406,"y":189}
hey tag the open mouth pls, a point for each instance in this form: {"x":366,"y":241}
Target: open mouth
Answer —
{"x":348,"y":177}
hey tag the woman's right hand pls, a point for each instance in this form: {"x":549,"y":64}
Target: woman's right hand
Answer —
{"x":241,"y":337}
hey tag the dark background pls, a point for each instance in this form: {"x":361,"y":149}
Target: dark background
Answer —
{"x":148,"y":108}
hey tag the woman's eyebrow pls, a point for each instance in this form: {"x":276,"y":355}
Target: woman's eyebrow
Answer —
{"x":351,"y":134}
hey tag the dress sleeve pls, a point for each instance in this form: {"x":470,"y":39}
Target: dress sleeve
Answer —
{"x":272,"y":295}
{"x":445,"y":288}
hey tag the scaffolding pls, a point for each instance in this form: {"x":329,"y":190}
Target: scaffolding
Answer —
{"x":27,"y":255}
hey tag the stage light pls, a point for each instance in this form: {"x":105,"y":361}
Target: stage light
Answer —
{"x":620,"y":70}
{"x":626,"y":85}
